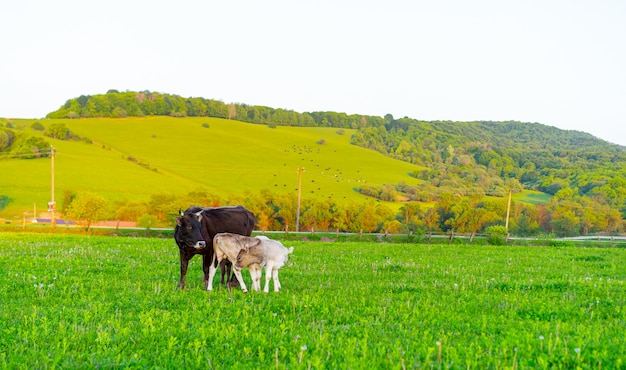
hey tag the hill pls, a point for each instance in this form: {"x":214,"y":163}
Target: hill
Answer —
{"x":149,"y":148}
{"x":466,"y":158}
{"x":134,"y":158}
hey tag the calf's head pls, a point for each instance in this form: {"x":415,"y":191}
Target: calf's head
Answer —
{"x":188,"y":232}
{"x":250,"y":254}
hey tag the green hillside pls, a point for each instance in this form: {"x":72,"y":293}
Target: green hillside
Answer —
{"x":133,"y":158}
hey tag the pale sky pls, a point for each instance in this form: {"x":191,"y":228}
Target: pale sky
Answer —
{"x":560,"y":63}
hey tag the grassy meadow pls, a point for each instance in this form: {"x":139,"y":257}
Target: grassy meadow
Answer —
{"x":132,"y":158}
{"x":73,"y":301}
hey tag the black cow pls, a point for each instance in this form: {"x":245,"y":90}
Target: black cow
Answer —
{"x":195,"y":229}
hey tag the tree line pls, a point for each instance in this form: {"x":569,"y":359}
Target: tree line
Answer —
{"x":117,"y":104}
{"x":566,"y":214}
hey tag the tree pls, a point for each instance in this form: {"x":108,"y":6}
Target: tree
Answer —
{"x":263,"y":221}
{"x":163,"y":205}
{"x":287,"y":205}
{"x":409,"y":213}
{"x":368,"y":219}
{"x":392,"y":227}
{"x":68,"y":197}
{"x":37,"y":126}
{"x":345,"y":216}
{"x":58,"y":131}
{"x":6,"y":139}
{"x":565,"y":223}
{"x":232,"y":111}
{"x":614,"y":221}
{"x":4,"y":201}
{"x":87,"y":208}
{"x":470,"y":217}
{"x":318,"y":215}
{"x":147,"y":220}
{"x":431,"y":219}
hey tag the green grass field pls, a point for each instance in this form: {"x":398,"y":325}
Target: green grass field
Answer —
{"x":179,"y":155}
{"x":532,"y":197}
{"x":71,"y":301}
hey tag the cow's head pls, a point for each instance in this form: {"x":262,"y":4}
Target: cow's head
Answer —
{"x":188,"y":232}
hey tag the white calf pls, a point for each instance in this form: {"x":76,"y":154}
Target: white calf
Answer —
{"x":227,"y":246}
{"x":270,"y":253}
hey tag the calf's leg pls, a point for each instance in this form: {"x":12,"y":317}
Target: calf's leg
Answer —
{"x":255,"y":274}
{"x":277,"y":286}
{"x":240,"y":278}
{"x":268,"y":275}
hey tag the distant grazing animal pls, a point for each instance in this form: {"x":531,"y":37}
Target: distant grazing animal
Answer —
{"x":271,"y":254}
{"x":195,"y":229}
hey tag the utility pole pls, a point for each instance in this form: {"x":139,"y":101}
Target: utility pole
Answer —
{"x":508,"y":211}
{"x":52,"y":203}
{"x":299,"y":195}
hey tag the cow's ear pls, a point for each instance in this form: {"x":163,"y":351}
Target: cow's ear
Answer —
{"x":178,"y":221}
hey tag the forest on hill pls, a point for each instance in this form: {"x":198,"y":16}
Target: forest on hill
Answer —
{"x":472,"y":161}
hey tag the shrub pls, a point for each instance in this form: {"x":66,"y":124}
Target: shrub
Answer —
{"x":6,"y":139}
{"x":27,"y":146}
{"x":58,"y":131}
{"x":37,"y":126}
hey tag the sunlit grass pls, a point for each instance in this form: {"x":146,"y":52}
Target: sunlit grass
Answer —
{"x":531,"y":196}
{"x":79,"y":301}
{"x":174,"y":155}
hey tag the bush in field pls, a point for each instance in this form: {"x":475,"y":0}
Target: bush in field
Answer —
{"x":4,"y":201}
{"x":28,"y":147}
{"x":497,"y":234}
{"x":58,"y":131}
{"x":6,"y":139}
{"x":37,"y":126}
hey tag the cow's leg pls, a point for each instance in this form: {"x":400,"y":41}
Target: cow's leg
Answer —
{"x":268,"y":275}
{"x":230,"y":277}
{"x":277,"y":286}
{"x":240,"y":278}
{"x":206,"y":260}
{"x":212,"y":268}
{"x":184,"y":263}
{"x":225,"y":271}
{"x":222,"y":271}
